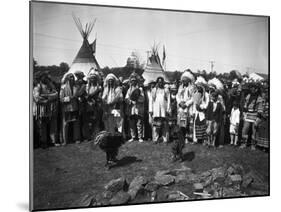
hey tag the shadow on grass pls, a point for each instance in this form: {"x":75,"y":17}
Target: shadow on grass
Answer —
{"x":188,"y":156}
{"x":127,"y":160}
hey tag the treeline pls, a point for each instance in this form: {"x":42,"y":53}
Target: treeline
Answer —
{"x":57,"y":72}
{"x":172,"y":76}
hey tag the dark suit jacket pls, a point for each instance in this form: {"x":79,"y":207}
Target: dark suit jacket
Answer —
{"x":214,"y":115}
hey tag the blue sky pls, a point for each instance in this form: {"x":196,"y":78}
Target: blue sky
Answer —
{"x":191,"y":40}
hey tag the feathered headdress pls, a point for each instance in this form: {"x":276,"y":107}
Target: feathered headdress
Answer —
{"x":188,"y":75}
{"x":200,"y":80}
{"x":109,"y":77}
{"x":66,"y":76}
{"x":215,"y":82}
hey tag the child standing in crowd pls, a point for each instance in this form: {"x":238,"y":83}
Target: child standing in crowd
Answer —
{"x":213,"y":116}
{"x":234,"y":124}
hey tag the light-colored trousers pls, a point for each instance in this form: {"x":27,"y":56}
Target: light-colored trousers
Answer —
{"x":136,"y":126}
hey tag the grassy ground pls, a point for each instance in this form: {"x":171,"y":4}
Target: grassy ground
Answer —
{"x":63,"y":174}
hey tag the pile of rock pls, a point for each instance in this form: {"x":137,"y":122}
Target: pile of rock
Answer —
{"x":231,"y":181}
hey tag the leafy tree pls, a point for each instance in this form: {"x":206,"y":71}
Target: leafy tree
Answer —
{"x":64,"y":66}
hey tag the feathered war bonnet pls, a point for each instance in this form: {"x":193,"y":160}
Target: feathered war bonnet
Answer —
{"x":187,"y":75}
{"x":110,"y":77}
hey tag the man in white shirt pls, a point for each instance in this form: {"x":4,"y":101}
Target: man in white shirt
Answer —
{"x":159,"y":110}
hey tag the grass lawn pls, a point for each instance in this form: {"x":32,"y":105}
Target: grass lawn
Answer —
{"x":63,"y":174}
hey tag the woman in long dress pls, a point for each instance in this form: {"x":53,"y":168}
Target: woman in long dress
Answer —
{"x":201,"y":100}
{"x":262,"y":122}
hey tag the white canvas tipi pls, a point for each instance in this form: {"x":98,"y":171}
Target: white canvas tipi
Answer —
{"x":85,"y":58}
{"x":153,"y":68}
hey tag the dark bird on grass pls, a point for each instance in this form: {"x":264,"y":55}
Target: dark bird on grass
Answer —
{"x":110,"y":144}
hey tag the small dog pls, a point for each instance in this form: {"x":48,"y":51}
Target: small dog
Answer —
{"x":110,"y":144}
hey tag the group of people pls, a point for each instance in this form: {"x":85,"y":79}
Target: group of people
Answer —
{"x":212,"y":113}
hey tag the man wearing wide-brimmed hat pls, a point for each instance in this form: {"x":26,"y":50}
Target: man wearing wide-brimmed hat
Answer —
{"x":45,"y":108}
{"x":135,"y":101}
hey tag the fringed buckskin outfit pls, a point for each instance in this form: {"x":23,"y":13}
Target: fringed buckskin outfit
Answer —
{"x":45,"y":110}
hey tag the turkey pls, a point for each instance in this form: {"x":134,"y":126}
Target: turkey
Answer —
{"x":110,"y":144}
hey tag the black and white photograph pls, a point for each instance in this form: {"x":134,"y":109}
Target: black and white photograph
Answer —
{"x":138,"y":105}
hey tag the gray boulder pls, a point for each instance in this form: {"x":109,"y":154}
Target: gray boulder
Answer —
{"x":116,"y":185}
{"x":247,"y":181}
{"x":107,"y":194}
{"x":236,"y":179}
{"x":136,"y":186}
{"x":151,"y":186}
{"x":164,"y":180}
{"x":230,"y":170}
{"x":198,"y":187}
{"x":238,"y":169}
{"x":219,"y":174}
{"x":191,"y":178}
{"x":138,"y":181}
{"x":99,"y":200}
{"x":231,"y":192}
{"x":176,"y":196}
{"x":182,"y":177}
{"x":120,"y":198}
{"x":84,"y":201}
{"x":208,"y":181}
{"x":163,"y":172}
